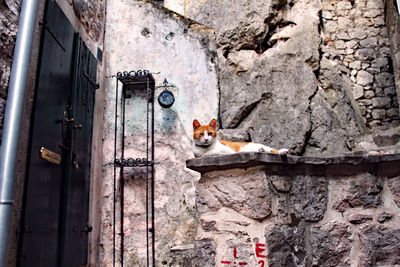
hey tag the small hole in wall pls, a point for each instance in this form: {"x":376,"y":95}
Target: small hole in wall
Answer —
{"x":352,"y":2}
{"x":164,"y":263}
{"x":226,"y":53}
{"x":390,"y":61}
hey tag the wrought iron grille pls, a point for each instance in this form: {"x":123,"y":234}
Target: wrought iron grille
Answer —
{"x":133,"y":82}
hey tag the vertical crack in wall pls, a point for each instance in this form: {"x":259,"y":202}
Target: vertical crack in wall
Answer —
{"x":309,"y":132}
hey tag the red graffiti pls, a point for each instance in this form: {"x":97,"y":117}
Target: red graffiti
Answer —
{"x":260,"y":248}
{"x":242,"y":263}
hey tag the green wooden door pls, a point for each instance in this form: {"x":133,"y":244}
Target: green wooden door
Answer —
{"x":54,"y":226}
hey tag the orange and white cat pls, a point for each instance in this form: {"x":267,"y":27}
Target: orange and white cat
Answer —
{"x":206,"y":143}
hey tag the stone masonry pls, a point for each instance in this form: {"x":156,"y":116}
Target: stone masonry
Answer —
{"x":297,"y":211}
{"x":355,"y":41}
{"x":9,"y":15}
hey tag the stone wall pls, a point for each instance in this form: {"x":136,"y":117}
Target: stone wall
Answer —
{"x":356,"y":43}
{"x":141,"y":35}
{"x":9,"y":15}
{"x":269,"y":76}
{"x":393,"y":27}
{"x":297,"y":211}
{"x":300,"y":81}
{"x":92,"y":18}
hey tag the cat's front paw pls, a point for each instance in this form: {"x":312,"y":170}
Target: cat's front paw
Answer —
{"x":283,"y":151}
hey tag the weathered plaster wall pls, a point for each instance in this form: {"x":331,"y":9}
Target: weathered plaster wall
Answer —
{"x":297,"y":211}
{"x":143,"y":36}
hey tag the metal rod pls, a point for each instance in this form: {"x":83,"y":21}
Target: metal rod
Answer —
{"x":147,"y":173}
{"x":153,"y":240}
{"x":115,"y":167}
{"x":121,"y":179}
{"x":13,"y":118}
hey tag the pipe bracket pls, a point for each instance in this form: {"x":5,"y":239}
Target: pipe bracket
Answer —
{"x":7,"y":202}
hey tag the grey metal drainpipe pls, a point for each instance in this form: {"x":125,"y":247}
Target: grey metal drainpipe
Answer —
{"x":13,"y":116}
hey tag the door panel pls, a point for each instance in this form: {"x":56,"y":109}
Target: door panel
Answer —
{"x":44,"y":181}
{"x":78,"y":193}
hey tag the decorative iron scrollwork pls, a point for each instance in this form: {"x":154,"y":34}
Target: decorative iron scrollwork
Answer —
{"x":131,"y":74}
{"x":131,"y":162}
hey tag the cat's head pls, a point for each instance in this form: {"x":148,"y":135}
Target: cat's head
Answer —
{"x":204,"y":135}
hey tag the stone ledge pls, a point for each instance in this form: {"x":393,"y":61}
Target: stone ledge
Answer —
{"x":377,"y":163}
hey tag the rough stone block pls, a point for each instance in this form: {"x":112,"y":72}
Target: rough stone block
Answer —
{"x":386,"y":140}
{"x":371,"y":42}
{"x":359,"y":218}
{"x":208,"y":225}
{"x":2,"y":111}
{"x":393,"y":112}
{"x":390,"y":91}
{"x":363,"y":190}
{"x":286,"y":245}
{"x":344,"y":5}
{"x":358,"y":91}
{"x":331,"y":244}
{"x":378,"y":113}
{"x":394,"y":185}
{"x":384,"y":79}
{"x":358,"y":33}
{"x":205,"y":201}
{"x":204,"y":251}
{"x":381,"y":102}
{"x":342,"y":35}
{"x":308,"y":197}
{"x":356,"y":65}
{"x":182,"y":256}
{"x":369,"y":94}
{"x":364,"y":78}
{"x":352,"y":44}
{"x":248,"y":194}
{"x":384,"y":217}
{"x":373,"y":13}
{"x":281,"y":183}
{"x":280,"y":209}
{"x":339,"y":44}
{"x":374,"y":123}
{"x":365,"y":54}
{"x":380,"y":246}
{"x":380,"y":62}
{"x":344,"y":23}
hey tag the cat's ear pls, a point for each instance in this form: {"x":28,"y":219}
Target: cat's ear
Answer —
{"x":196,"y":124}
{"x":213,"y":123}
